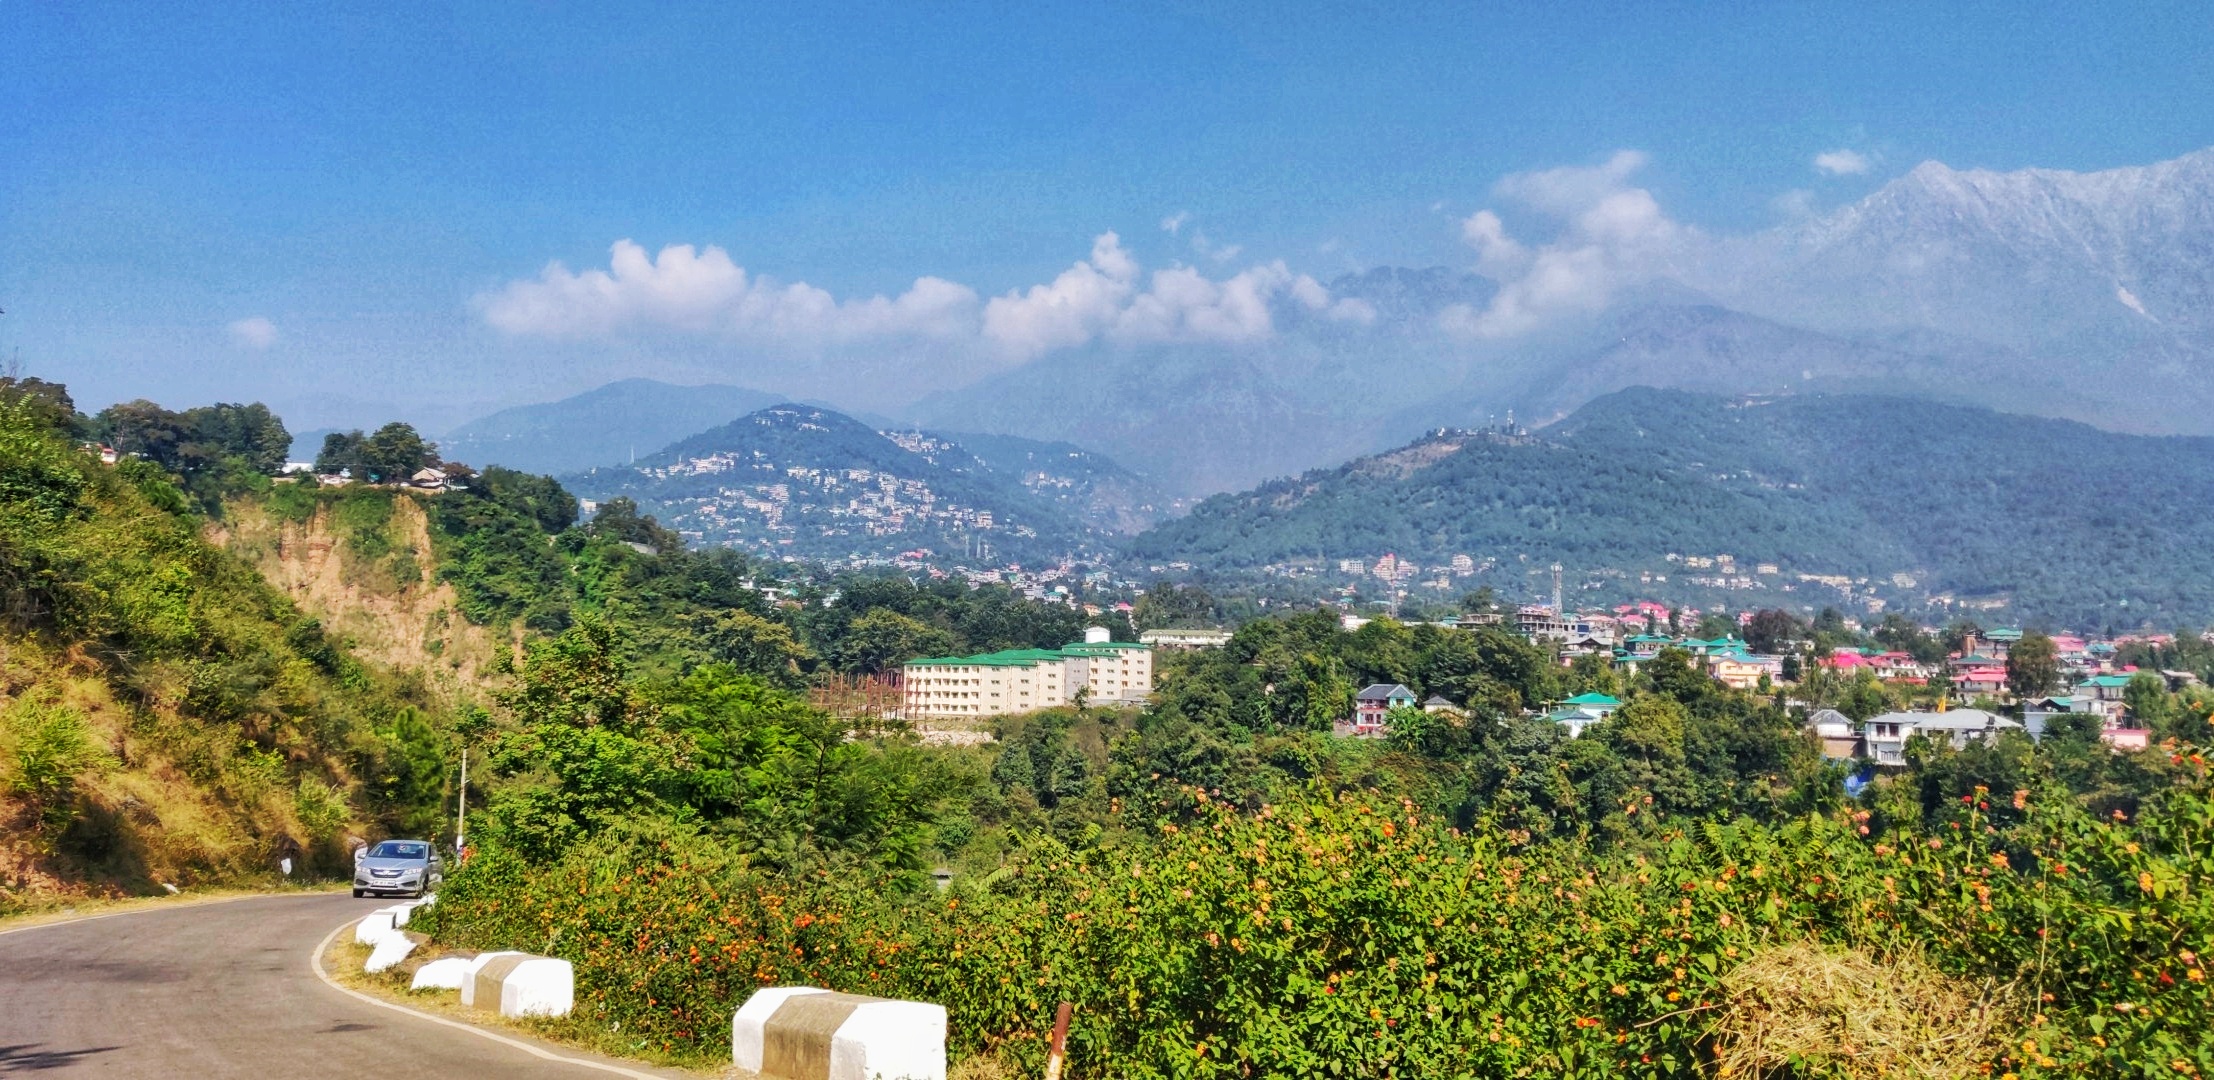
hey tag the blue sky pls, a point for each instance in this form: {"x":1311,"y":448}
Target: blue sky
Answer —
{"x":323,"y":209}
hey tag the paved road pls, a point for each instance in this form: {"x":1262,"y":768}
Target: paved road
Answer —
{"x":222,"y":991}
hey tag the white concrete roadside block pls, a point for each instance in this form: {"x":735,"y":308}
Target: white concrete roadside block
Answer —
{"x":519,"y":984}
{"x":447,"y":974}
{"x":373,"y":927}
{"x":802,"y":1033}
{"x":399,"y":913}
{"x":469,"y":976}
{"x":393,"y":949}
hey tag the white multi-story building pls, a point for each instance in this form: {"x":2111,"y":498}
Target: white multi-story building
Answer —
{"x":1025,"y":680}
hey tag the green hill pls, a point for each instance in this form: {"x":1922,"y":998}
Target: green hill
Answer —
{"x":166,"y":716}
{"x":1902,"y":501}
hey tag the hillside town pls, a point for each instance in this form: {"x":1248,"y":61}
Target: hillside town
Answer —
{"x":2085,"y":680}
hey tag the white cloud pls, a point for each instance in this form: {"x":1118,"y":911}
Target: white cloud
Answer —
{"x":1174,"y":223}
{"x":1567,"y":190}
{"x":1497,"y":254}
{"x":1071,"y":309}
{"x":254,"y":333}
{"x":1184,"y":305}
{"x":1796,"y":204}
{"x":702,"y":291}
{"x":1105,"y":296}
{"x":1612,"y":236}
{"x":1841,"y":162}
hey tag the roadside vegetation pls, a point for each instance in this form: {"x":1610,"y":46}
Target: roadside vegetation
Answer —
{"x":1225,"y":890}
{"x":1219,"y":885}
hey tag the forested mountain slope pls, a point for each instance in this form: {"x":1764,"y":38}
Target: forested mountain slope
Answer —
{"x":2055,"y":518}
{"x":165,"y":715}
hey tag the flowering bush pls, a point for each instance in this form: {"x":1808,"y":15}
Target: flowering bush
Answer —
{"x":1351,"y":936}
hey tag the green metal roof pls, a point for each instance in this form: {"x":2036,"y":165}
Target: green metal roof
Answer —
{"x":1029,"y":657}
{"x":1592,"y":699}
{"x":1003,"y":658}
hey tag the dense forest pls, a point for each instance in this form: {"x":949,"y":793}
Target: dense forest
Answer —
{"x":2060,"y":521}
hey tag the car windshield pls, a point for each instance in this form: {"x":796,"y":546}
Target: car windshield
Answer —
{"x":400,"y":849}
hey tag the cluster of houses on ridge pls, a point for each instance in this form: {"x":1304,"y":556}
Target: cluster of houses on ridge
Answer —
{"x":2099,"y":690}
{"x":1881,"y":740}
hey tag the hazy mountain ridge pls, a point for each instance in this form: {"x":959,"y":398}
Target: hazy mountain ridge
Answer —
{"x":2055,"y":518}
{"x":603,"y":426}
{"x":2081,"y":295}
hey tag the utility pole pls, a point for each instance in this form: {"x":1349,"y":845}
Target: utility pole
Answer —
{"x":461,"y":815}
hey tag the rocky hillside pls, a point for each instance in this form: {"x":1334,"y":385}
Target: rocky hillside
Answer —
{"x":362,"y":562}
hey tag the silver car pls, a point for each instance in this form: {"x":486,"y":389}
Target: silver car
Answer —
{"x":397,"y":867}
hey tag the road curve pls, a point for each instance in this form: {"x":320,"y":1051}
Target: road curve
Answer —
{"x":226,"y":990}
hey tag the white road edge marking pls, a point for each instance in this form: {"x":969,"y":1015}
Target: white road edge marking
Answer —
{"x":315,"y":963}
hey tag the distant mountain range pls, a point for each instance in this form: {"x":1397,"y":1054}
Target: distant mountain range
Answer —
{"x":2086,"y":296}
{"x":606,"y":426}
{"x":811,"y":482}
{"x":1814,"y":499}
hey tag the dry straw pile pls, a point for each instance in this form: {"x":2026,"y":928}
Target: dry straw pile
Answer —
{"x":1802,"y":1010}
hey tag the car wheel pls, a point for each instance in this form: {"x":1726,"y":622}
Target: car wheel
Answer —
{"x":358,"y":894}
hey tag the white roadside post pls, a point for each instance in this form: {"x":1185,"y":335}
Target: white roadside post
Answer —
{"x":374,"y":927}
{"x":803,"y":1033}
{"x":519,"y":984}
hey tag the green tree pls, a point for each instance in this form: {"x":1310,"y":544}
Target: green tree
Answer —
{"x":1771,"y":630}
{"x":47,"y":403}
{"x":1648,"y":736}
{"x":883,"y":639}
{"x":1169,"y":605}
{"x":392,"y":454}
{"x":2033,"y":665}
{"x":619,"y":519}
{"x":2148,"y":701}
{"x":581,"y":747}
{"x":749,"y":643}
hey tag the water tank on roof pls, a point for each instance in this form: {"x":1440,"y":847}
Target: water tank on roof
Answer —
{"x":1097,"y":635}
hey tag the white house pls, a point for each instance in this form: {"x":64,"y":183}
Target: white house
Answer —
{"x":1885,"y":737}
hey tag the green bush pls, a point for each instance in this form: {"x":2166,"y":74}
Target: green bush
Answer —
{"x":1350,"y":936}
{"x":48,"y":747}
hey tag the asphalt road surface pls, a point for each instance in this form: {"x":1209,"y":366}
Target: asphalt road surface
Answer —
{"x":226,"y":990}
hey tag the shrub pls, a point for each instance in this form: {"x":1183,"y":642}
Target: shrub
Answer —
{"x":1352,"y":936}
